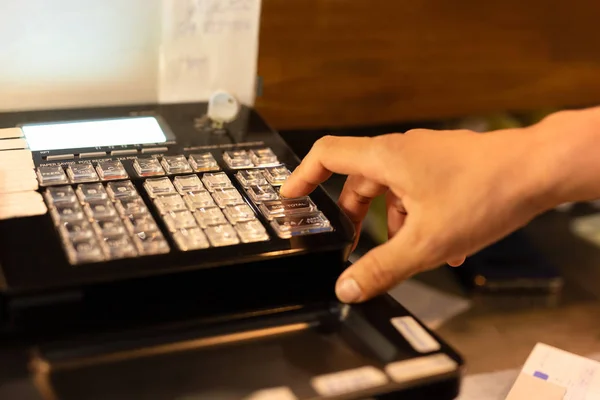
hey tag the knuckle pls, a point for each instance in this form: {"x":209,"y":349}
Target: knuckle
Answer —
{"x":559,"y":118}
{"x":384,"y":144}
{"x":361,"y":198}
{"x":324,"y":143}
{"x":384,"y":152}
{"x":412,"y":132}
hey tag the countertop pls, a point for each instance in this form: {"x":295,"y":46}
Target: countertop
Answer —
{"x":499,"y":334}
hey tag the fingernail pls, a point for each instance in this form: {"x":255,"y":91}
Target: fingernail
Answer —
{"x":348,"y":291}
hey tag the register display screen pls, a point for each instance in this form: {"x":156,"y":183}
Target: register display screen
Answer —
{"x":97,"y":133}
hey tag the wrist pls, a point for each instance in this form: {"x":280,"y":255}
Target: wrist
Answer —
{"x":528,"y":168}
{"x":542,"y":166}
{"x":564,"y":148}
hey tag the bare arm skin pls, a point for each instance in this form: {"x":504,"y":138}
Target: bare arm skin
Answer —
{"x":451,"y":193}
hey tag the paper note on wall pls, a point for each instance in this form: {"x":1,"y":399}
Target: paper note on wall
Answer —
{"x":208,"y":45}
{"x":72,"y":53}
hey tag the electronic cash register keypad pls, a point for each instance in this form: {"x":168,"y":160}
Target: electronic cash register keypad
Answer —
{"x":100,"y":214}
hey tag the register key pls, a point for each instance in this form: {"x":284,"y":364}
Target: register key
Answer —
{"x":284,"y":207}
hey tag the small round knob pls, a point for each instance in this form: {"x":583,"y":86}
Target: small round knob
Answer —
{"x":222,"y":108}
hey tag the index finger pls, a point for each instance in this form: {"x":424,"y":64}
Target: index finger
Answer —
{"x":329,"y":155}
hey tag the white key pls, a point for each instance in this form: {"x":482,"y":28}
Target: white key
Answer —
{"x":239,"y":213}
{"x":82,"y":173}
{"x":222,"y":235}
{"x":60,"y":195}
{"x":17,"y":159}
{"x":91,"y":191}
{"x":209,"y":216}
{"x":216,"y":180}
{"x":179,"y":220}
{"x":17,"y":180}
{"x":196,"y":200}
{"x":21,"y":204}
{"x":121,"y":190}
{"x":263,"y":157}
{"x":203,"y":162}
{"x":151,"y":243}
{"x":169,"y":202}
{"x":13,"y":144}
{"x":238,"y":159}
{"x":251,"y":177}
{"x":251,"y":231}
{"x":277,"y":175}
{"x":227,"y":197}
{"x":11,"y":133}
{"x":159,"y":186}
{"x":148,"y":167}
{"x":262,"y":193}
{"x":52,"y":175}
{"x":190,"y":239}
{"x":188,"y":183}
{"x":176,"y":164}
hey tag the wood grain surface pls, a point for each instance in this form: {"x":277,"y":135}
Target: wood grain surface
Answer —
{"x":340,"y":63}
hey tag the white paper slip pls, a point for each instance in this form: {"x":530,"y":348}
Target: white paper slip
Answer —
{"x":494,"y":385}
{"x":579,"y":376}
{"x":22,"y":204}
{"x":528,"y":387}
{"x":208,"y":46}
{"x":11,"y":133}
{"x":13,"y":144}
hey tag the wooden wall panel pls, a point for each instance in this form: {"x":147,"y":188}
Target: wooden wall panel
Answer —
{"x":338,"y":63}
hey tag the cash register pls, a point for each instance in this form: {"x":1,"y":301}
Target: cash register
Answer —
{"x":148,"y":254}
{"x":145,"y":250}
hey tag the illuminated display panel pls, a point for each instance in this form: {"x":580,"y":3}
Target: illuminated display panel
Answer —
{"x":97,"y":133}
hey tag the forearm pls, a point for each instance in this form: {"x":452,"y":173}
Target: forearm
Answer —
{"x":565,"y":148}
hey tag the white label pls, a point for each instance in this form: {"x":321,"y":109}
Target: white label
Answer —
{"x":11,"y":133}
{"x":279,"y":393}
{"x":348,"y":381}
{"x":422,"y":367}
{"x":415,"y":334}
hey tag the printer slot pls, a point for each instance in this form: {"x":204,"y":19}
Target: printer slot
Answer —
{"x":291,"y":348}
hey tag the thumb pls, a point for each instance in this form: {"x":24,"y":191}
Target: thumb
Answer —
{"x":380,"y":269}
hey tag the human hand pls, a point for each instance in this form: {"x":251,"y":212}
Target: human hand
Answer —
{"x":449,"y":194}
